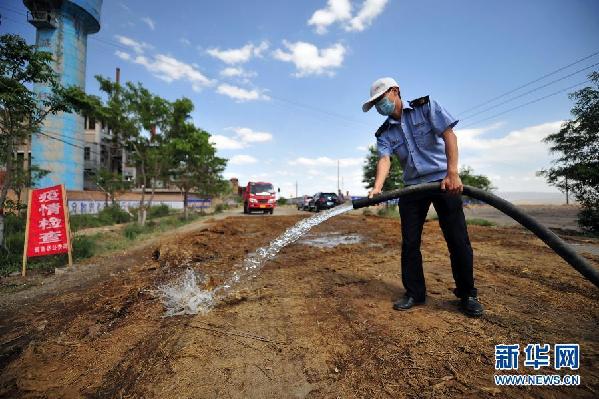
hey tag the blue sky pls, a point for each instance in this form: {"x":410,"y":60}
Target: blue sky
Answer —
{"x":279,"y":84}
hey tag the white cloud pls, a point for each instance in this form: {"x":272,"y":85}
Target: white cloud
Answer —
{"x":369,"y":11}
{"x":340,"y":11}
{"x":326,"y":161}
{"x":362,"y":148}
{"x":150,"y":22}
{"x":122,"y":55}
{"x":512,"y":159}
{"x":336,"y":10}
{"x":310,"y":60}
{"x":242,"y":160}
{"x":226,"y":143}
{"x":244,"y":137}
{"x":240,"y":94}
{"x":170,"y":69}
{"x":137,"y":46}
{"x":185,"y":41}
{"x":239,"y":55}
{"x":247,"y":135}
{"x":237,"y":72}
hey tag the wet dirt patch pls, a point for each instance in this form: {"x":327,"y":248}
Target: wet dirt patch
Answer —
{"x":330,"y":240}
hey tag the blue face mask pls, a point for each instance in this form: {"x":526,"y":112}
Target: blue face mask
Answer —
{"x":385,"y":106}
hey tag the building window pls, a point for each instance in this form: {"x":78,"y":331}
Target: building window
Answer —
{"x":92,"y":123}
{"x":86,"y":153}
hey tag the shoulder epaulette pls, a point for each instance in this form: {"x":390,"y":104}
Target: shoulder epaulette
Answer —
{"x":419,"y":102}
{"x":381,"y":129}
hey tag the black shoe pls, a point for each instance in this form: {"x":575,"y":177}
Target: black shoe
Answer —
{"x":471,"y":306}
{"x":406,"y":303}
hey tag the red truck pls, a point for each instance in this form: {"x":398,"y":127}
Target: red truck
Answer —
{"x":259,"y":196}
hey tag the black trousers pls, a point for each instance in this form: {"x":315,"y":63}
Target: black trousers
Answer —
{"x":413,"y":210}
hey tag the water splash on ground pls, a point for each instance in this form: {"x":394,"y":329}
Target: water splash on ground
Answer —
{"x":330,"y":240}
{"x":185,"y":296}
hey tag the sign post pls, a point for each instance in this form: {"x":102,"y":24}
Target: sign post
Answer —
{"x":47,"y":231}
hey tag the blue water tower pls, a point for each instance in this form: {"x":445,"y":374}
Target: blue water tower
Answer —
{"x":62,"y":29}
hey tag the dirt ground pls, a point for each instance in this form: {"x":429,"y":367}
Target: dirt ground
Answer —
{"x":316,"y":322}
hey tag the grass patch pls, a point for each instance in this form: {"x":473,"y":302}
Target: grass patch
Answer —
{"x":388,"y":212}
{"x":84,"y":246}
{"x":131,"y":231}
{"x":479,"y":222}
{"x":106,"y":217}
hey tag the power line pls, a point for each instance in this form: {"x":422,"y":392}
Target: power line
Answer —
{"x":529,"y":83}
{"x":525,"y":104}
{"x":346,"y":119}
{"x":321,"y":111}
{"x":530,"y":91}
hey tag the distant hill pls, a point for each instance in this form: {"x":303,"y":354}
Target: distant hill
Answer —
{"x":525,"y":197}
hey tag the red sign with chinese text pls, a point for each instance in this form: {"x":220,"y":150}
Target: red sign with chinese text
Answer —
{"x":47,"y":223}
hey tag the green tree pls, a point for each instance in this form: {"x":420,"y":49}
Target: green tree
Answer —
{"x":134,"y":114}
{"x":23,"y":110}
{"x":395,"y":177}
{"x":111,"y":184}
{"x":24,"y":178}
{"x":197,"y":167}
{"x":577,"y":148}
{"x":470,"y":179}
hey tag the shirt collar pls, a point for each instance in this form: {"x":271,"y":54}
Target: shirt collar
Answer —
{"x":405,"y":105}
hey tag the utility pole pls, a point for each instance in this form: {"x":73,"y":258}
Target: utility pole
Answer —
{"x":337,"y":176}
{"x":296,"y":189}
{"x":567,"y":192}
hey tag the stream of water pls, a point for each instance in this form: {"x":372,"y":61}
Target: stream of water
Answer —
{"x":184,"y":296}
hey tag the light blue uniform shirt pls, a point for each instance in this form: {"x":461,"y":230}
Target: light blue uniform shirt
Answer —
{"x":417,"y":141}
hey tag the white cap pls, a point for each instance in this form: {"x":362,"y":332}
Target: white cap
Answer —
{"x":377,"y":89}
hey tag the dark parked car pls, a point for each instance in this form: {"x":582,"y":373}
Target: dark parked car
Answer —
{"x":322,"y":201}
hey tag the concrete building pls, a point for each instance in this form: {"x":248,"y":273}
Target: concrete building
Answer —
{"x":102,"y":151}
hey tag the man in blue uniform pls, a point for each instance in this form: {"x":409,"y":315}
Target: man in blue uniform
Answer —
{"x":420,"y":133}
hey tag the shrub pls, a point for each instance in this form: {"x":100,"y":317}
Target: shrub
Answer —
{"x":479,"y":222}
{"x":79,"y":222}
{"x":15,"y":242}
{"x":83,"y":247}
{"x":158,"y":211}
{"x":131,"y":231}
{"x":219,"y":208}
{"x":367,"y":212}
{"x":588,"y":219}
{"x":388,"y":212}
{"x":114,"y":214}
{"x":14,"y":223}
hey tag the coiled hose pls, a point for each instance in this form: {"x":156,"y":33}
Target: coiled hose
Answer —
{"x":551,"y":239}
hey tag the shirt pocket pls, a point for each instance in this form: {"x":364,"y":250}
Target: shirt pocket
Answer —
{"x":398,"y":146}
{"x":424,"y":135}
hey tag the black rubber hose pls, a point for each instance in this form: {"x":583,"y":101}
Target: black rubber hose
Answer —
{"x":551,"y":239}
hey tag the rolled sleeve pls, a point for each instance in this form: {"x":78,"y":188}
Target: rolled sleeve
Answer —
{"x":383,"y":147}
{"x":441,"y":120}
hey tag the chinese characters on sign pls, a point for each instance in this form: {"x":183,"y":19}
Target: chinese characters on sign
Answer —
{"x":47,"y":223}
